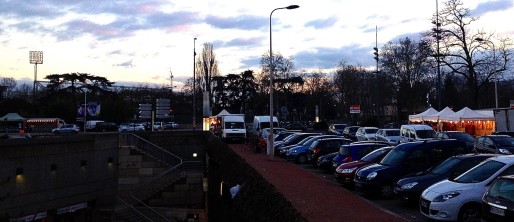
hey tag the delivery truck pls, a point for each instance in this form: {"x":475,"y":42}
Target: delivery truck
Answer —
{"x":229,"y":127}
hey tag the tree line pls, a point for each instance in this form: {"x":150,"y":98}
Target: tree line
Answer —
{"x":450,"y":65}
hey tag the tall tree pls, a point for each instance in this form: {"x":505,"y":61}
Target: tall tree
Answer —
{"x":206,"y":67}
{"x":462,"y":49}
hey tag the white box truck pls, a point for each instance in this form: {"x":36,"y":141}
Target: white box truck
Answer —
{"x":261,"y":122}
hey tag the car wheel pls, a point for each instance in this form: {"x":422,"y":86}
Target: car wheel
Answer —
{"x":470,"y":213}
{"x":387,"y":191}
{"x":301,"y":159}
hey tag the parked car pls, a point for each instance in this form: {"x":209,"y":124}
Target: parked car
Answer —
{"x":416,"y":132}
{"x":292,"y":139}
{"x":460,"y":198}
{"x":498,"y":200}
{"x":349,"y":132}
{"x":67,"y":128}
{"x":404,"y":159}
{"x":324,"y":146}
{"x":391,"y":136}
{"x":106,"y":127}
{"x":501,"y":144}
{"x":410,"y":188}
{"x":508,"y":133}
{"x":296,"y":126}
{"x":458,"y":135}
{"x":337,"y":128}
{"x":131,"y":127}
{"x":265,"y":132}
{"x":303,"y":142}
{"x":325,"y":161}
{"x":366,"y":133}
{"x":298,"y":154}
{"x":354,"y":151}
{"x":345,"y":172}
{"x":170,"y":125}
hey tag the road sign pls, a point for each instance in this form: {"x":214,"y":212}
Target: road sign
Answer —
{"x":162,"y":112}
{"x":145,"y":106}
{"x":163,"y":102}
{"x":355,"y":109}
{"x":162,"y":116}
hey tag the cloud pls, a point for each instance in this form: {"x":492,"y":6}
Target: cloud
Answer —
{"x":240,"y":42}
{"x":240,"y":22}
{"x":322,"y":23}
{"x":327,"y":58}
{"x":127,"y":64}
{"x":491,"y":6}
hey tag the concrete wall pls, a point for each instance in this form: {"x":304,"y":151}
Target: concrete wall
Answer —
{"x":56,"y":172}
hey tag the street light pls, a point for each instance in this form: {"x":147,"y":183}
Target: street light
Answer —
{"x":194,"y":84}
{"x":494,"y":69}
{"x":270,"y":139}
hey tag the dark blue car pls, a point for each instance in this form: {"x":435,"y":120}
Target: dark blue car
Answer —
{"x":298,"y":154}
{"x":354,"y":151}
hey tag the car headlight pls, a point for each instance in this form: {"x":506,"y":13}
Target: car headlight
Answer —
{"x":446,"y":196}
{"x":348,"y":170}
{"x":409,"y":185}
{"x":292,"y":151}
{"x":371,"y":176}
{"x":504,"y":151}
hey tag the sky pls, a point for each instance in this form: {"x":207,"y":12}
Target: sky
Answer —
{"x":141,"y":41}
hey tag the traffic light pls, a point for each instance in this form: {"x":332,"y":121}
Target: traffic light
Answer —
{"x":376,"y":53}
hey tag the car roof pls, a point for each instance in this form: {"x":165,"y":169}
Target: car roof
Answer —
{"x":508,"y":159}
{"x":409,"y":145}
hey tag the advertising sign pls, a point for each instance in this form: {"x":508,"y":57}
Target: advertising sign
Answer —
{"x":355,"y":109}
{"x":92,"y":109}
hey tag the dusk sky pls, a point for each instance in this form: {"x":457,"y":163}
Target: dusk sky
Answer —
{"x":141,"y":41}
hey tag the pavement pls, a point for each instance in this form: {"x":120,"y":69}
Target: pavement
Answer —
{"x":315,"y":198}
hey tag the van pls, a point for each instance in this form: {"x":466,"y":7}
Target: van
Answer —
{"x":91,"y":124}
{"x":233,"y":127}
{"x":416,"y":132}
{"x":261,"y":122}
{"x":405,"y":159}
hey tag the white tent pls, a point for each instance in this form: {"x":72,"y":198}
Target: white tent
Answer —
{"x":445,"y":112}
{"x":421,"y":116}
{"x":223,"y":113}
{"x":466,"y":114}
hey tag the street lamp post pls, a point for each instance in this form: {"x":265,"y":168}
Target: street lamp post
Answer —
{"x":194,"y":84}
{"x":271,"y":136}
{"x":494,"y":70}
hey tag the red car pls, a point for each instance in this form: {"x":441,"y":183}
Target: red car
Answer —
{"x":346,"y":171}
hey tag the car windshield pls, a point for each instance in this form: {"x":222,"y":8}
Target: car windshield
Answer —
{"x":392,"y":132}
{"x":371,"y":130}
{"x":394,"y":158}
{"x":306,"y":140}
{"x":445,"y":166}
{"x":234,"y":125}
{"x":344,"y":150}
{"x":480,"y":172}
{"x":503,"y":141}
{"x":462,"y":136}
{"x":503,"y":188}
{"x":339,"y":126}
{"x":425,"y":134}
{"x":370,"y":157}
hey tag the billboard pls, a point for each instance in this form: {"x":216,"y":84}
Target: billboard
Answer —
{"x":92,"y":109}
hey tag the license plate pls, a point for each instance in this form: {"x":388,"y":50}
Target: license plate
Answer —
{"x":423,"y":203}
{"x":497,"y":211}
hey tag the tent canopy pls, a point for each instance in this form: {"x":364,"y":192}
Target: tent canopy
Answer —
{"x":466,"y":114}
{"x":223,"y":112}
{"x":12,"y":117}
{"x":421,"y":116}
{"x":445,"y":112}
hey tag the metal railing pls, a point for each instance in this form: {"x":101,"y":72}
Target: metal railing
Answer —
{"x":136,"y":207}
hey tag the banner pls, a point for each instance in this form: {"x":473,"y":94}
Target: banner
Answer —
{"x":92,"y":109}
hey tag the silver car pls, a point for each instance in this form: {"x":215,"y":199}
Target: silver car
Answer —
{"x":67,"y":128}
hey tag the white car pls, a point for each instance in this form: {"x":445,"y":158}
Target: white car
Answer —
{"x":131,"y":127}
{"x":459,"y":199}
{"x":366,"y":133}
{"x":68,"y":128}
{"x":391,"y":136}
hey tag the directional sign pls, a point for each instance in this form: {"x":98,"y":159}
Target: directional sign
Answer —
{"x":162,"y":111}
{"x":163,"y":102}
{"x":145,"y":106}
{"x":162,"y":116}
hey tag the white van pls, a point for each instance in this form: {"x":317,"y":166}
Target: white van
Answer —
{"x":416,"y":132}
{"x":91,"y":124}
{"x":233,"y":127}
{"x":261,"y":122}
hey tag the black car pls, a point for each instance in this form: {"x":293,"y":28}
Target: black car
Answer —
{"x":324,"y":146}
{"x":355,"y":151}
{"x":410,"y":188}
{"x":458,"y":135}
{"x":404,"y":159}
{"x":349,"y":132}
{"x":292,"y":139}
{"x":498,"y":201}
{"x":501,"y":144}
{"x":106,"y":127}
{"x":325,"y":161}
{"x":296,"y":126}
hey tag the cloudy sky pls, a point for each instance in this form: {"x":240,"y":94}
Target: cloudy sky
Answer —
{"x":143,"y":40}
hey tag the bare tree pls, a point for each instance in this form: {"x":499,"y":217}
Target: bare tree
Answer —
{"x":7,"y":87}
{"x":206,"y":67}
{"x":462,"y":50}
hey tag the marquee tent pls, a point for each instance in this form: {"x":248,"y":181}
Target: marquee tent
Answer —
{"x":466,"y":114}
{"x":445,"y":112}
{"x":12,"y":117}
{"x":421,"y":116}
